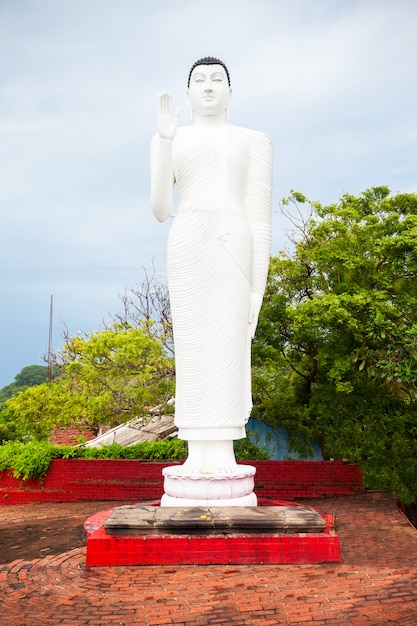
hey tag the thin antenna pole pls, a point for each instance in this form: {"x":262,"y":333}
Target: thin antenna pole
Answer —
{"x":49,"y":375}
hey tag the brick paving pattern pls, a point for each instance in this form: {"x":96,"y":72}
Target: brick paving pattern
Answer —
{"x":375,"y":584}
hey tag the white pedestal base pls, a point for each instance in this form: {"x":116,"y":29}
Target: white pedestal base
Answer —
{"x":250,"y":500}
{"x":232,"y":487}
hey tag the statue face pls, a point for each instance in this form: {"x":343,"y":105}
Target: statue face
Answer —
{"x":209,"y":92}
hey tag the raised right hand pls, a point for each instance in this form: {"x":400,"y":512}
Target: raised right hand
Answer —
{"x":167,"y":123}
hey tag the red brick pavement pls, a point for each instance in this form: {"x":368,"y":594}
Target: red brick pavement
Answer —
{"x":375,"y":584}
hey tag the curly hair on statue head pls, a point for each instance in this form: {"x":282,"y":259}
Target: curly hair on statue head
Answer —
{"x":209,"y":61}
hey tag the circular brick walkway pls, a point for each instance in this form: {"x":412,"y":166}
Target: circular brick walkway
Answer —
{"x":376,"y":583}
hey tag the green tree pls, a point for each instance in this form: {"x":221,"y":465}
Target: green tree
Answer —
{"x":339,"y":325}
{"x":28,"y":377}
{"x":108,"y":376}
{"x":31,"y":375}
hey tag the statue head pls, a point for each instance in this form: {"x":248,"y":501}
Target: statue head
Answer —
{"x":209,"y":89}
{"x":209,"y":61}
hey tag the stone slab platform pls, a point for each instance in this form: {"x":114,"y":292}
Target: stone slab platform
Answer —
{"x":206,"y":536}
{"x":151,"y":520}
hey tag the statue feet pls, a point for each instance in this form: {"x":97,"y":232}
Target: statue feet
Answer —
{"x":209,"y":477}
{"x":210,"y":457}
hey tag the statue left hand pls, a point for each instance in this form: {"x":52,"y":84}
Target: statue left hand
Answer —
{"x":255,"y":307}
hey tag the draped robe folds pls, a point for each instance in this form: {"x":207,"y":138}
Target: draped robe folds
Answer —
{"x":218,"y":254}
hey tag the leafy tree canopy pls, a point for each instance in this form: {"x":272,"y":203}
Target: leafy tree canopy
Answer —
{"x":339,"y":328}
{"x":108,"y":376}
{"x":29,"y":376}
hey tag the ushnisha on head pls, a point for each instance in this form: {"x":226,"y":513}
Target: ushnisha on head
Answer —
{"x":209,"y":90}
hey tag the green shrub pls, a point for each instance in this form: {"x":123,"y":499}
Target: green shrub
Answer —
{"x":32,"y":460}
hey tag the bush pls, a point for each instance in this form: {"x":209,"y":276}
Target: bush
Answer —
{"x":32,"y":460}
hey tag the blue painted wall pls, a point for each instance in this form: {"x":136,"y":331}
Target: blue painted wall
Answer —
{"x":275,"y":440}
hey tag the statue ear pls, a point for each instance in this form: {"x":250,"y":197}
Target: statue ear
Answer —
{"x":226,"y":112}
{"x":191,"y":108}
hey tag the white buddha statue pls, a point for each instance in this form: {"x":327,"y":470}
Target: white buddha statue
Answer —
{"x":218,"y":257}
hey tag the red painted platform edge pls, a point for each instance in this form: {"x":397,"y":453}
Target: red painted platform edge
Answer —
{"x":105,"y":550}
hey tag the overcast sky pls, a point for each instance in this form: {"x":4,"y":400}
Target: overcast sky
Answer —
{"x":333,"y":82}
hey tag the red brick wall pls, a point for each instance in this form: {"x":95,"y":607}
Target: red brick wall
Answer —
{"x":71,"y":436}
{"x":75,"y":480}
